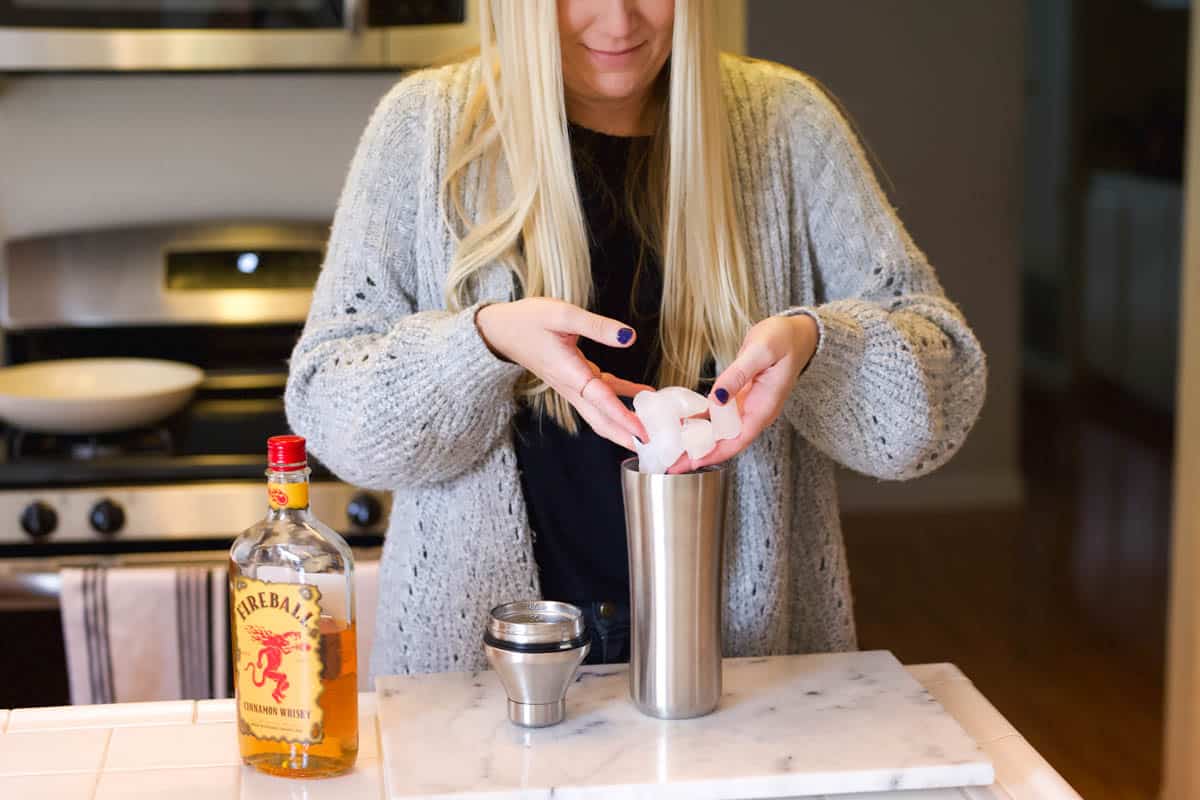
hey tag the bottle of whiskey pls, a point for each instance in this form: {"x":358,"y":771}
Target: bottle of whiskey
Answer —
{"x":291,"y":605}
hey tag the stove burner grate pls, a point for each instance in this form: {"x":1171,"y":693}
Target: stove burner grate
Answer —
{"x":89,"y":447}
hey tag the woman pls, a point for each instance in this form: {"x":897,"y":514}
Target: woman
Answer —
{"x":596,"y":203}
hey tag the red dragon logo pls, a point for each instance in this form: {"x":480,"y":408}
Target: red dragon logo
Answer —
{"x":274,"y":647}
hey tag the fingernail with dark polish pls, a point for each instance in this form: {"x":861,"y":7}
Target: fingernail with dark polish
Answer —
{"x":722,"y":396}
{"x":624,"y":335}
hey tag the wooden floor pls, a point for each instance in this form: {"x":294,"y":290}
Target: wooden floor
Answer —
{"x":1056,"y":611}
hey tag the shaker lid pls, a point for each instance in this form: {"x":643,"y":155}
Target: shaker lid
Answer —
{"x":536,"y":622}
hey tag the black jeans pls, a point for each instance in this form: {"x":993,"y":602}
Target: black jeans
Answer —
{"x":608,"y":624}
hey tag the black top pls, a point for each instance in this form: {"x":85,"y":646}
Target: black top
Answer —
{"x":572,"y":484}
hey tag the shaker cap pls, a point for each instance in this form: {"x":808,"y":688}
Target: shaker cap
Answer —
{"x":536,"y":622}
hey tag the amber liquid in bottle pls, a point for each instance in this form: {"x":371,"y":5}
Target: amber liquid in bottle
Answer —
{"x":293,"y":630}
{"x":339,"y":699}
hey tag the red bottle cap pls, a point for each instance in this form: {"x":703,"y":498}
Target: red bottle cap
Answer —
{"x":286,"y":453}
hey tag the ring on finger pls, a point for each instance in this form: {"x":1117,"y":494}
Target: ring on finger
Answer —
{"x":583,"y":388}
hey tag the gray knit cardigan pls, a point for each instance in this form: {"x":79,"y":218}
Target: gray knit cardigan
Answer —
{"x":396,"y":393}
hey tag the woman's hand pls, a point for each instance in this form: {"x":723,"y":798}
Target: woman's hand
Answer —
{"x":759,"y":380}
{"x":541,"y":334}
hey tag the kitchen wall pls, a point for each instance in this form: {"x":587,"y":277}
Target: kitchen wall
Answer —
{"x":936,"y":89}
{"x":79,"y":152}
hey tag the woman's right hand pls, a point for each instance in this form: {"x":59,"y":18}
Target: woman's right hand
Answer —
{"x":542,"y":334}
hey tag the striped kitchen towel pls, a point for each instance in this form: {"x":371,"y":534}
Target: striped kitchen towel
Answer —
{"x":135,"y":634}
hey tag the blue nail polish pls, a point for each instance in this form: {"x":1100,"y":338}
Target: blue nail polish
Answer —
{"x":624,"y":335}
{"x":722,"y":396}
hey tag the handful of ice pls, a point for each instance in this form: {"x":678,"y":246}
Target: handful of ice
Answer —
{"x":670,"y":416}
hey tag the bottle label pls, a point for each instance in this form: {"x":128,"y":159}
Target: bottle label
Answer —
{"x":277,"y":658}
{"x":288,"y":495}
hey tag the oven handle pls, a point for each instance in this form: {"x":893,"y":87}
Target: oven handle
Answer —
{"x":354,"y":13}
{"x":30,"y":584}
{"x":35,"y":584}
{"x":29,"y":591}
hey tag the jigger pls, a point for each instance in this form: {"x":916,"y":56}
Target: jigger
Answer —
{"x":535,"y":646}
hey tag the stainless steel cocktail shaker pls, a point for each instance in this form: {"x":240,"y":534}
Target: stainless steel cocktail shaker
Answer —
{"x":674,"y":525}
{"x":535,"y":646}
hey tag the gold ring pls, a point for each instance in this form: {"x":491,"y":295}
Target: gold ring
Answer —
{"x":583,"y":388}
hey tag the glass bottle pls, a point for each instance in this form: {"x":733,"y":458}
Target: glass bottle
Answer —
{"x":291,"y":584}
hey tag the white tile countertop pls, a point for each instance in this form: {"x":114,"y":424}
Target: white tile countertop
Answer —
{"x":188,"y":751}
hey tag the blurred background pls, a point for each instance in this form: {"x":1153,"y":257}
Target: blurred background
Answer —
{"x":1034,"y":149}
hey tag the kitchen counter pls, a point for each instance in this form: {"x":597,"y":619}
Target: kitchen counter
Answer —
{"x":188,"y":751}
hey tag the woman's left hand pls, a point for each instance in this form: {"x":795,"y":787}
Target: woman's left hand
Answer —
{"x":759,"y":380}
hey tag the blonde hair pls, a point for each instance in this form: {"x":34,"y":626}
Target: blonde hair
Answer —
{"x":517,"y":118}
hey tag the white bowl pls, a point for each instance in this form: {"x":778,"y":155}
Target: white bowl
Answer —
{"x":94,"y":395}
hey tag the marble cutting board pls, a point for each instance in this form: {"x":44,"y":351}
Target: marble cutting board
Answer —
{"x":787,"y":726}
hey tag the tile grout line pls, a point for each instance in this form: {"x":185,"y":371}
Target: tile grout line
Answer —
{"x":1037,"y":757}
{"x":160,"y":768}
{"x":101,"y":727}
{"x":104,"y":753}
{"x":980,"y":742}
{"x":994,"y":739}
{"x":1016,"y":735}
{"x":103,"y":758}
{"x":1003,"y":784}
{"x":383,"y":792}
{"x":378,"y":742}
{"x":384,"y":773}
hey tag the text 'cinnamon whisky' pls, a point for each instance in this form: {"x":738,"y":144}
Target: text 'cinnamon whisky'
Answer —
{"x":295,"y":656}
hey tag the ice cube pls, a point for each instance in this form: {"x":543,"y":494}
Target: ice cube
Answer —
{"x":689,"y":403}
{"x":668,"y":442}
{"x":663,"y":449}
{"x":655,"y":410}
{"x":643,"y":400}
{"x":660,"y":413}
{"x":656,"y":457}
{"x":698,"y":438}
{"x":648,"y":461}
{"x":726,"y":420}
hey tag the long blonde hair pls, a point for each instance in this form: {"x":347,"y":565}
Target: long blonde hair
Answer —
{"x":517,"y":118}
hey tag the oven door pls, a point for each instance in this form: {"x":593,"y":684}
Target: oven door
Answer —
{"x":34,"y":669}
{"x":220,"y":35}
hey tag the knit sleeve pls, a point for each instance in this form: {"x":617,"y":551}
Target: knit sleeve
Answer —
{"x":387,"y":395}
{"x":898,"y":378}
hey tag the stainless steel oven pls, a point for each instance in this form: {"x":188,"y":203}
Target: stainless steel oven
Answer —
{"x":230,"y":298}
{"x":199,"y":35}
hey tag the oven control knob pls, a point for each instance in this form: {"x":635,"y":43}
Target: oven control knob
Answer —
{"x":364,"y":510}
{"x":107,"y":517}
{"x":39,"y":519}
